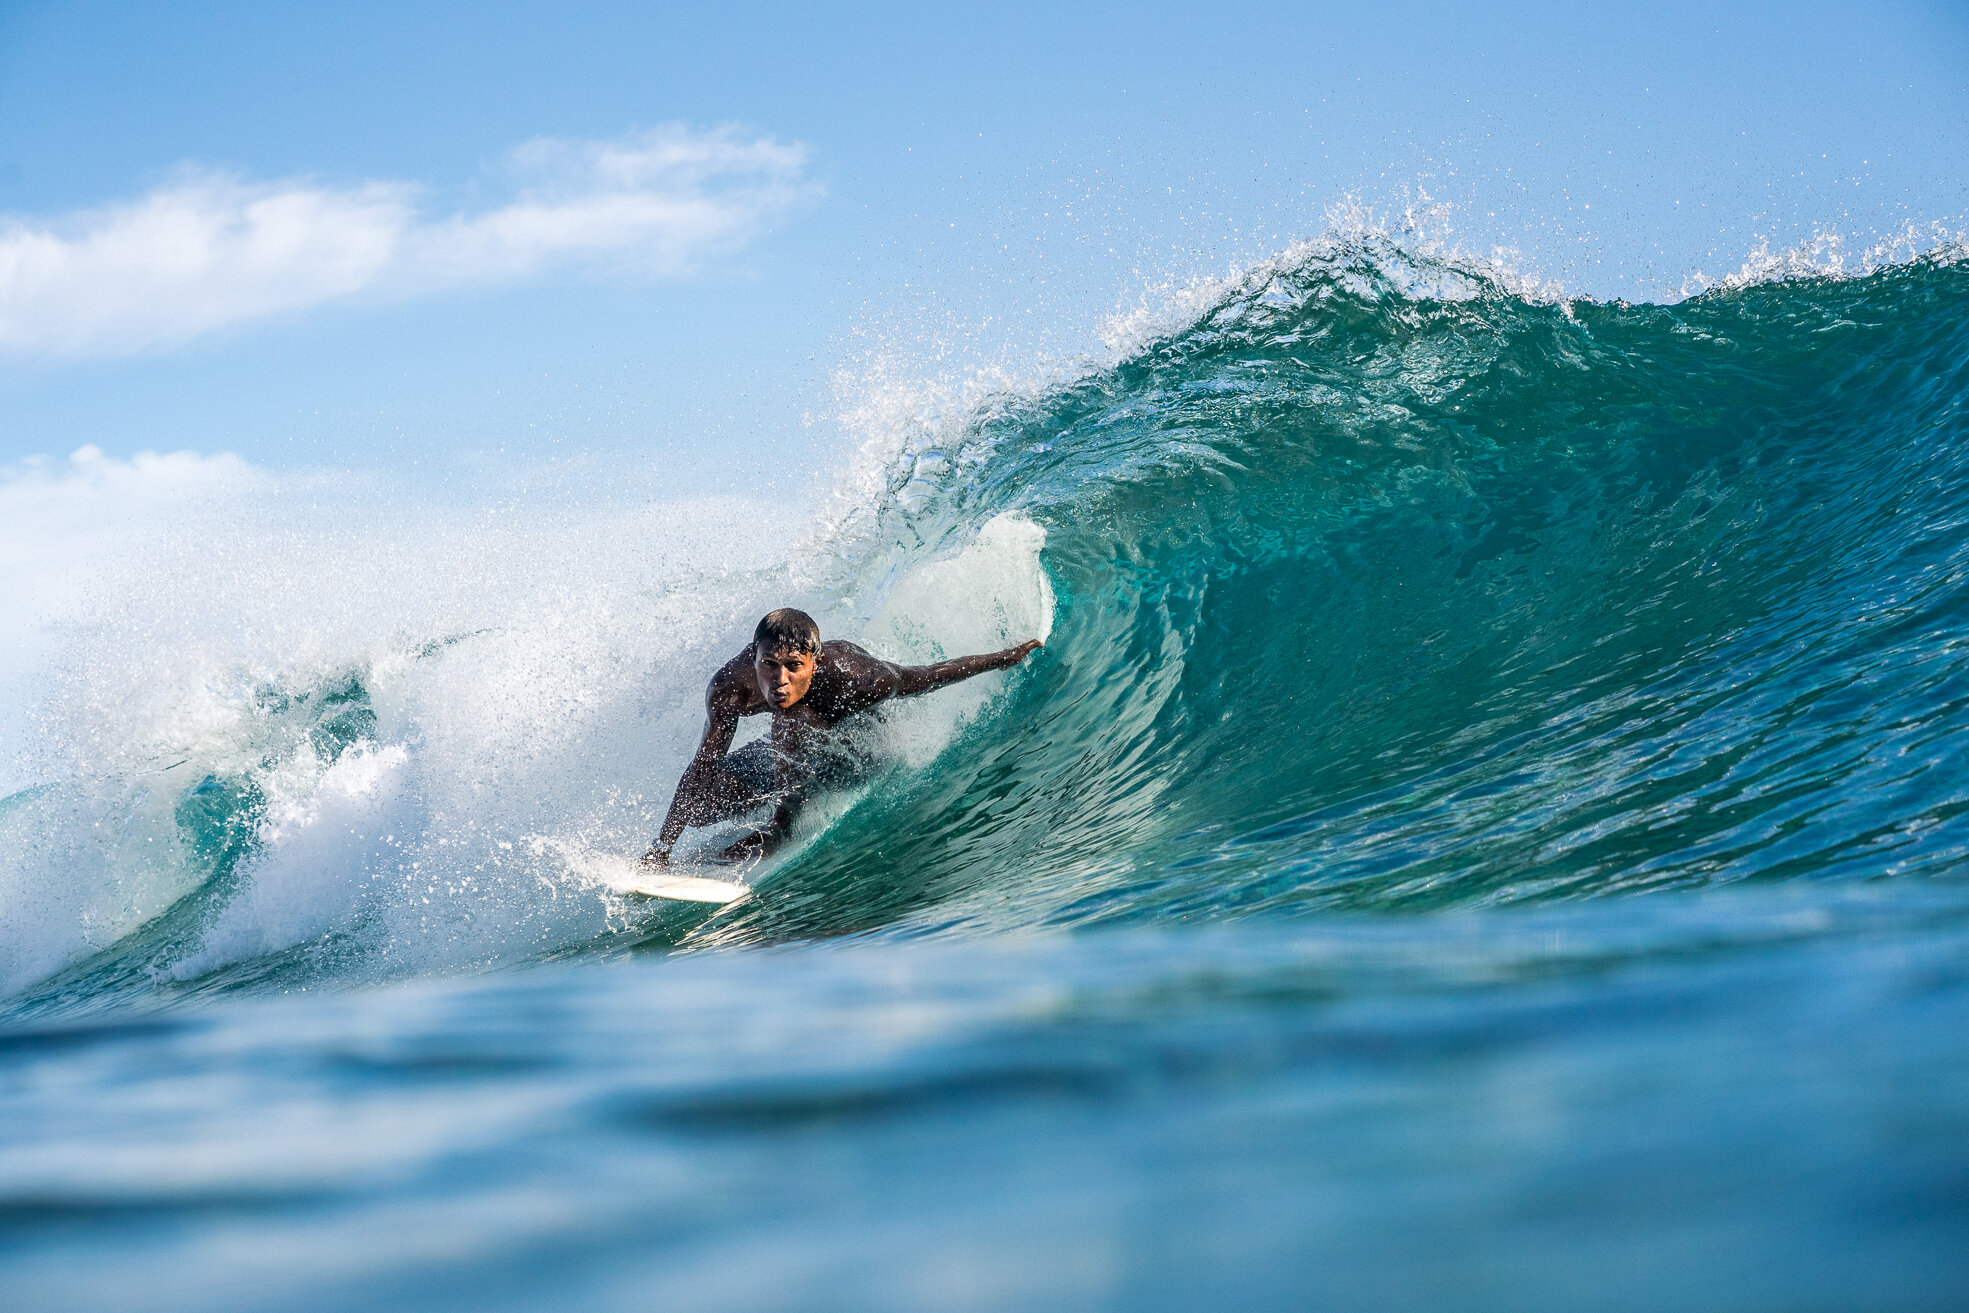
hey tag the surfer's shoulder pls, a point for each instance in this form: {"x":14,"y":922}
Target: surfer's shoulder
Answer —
{"x":853,"y":660}
{"x":841,"y":650}
{"x":735,"y":686}
{"x":856,"y":678}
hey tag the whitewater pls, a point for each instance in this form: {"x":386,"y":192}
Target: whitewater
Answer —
{"x":1488,"y":826}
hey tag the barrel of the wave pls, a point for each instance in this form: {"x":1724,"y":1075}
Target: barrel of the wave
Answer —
{"x":1374,"y":596}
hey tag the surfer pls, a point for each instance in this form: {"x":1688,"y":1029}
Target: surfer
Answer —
{"x":810,"y":687}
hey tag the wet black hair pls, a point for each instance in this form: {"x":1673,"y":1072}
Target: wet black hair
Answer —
{"x":787,"y":630}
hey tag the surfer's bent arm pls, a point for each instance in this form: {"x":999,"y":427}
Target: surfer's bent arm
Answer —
{"x":911,"y":680}
{"x":693,"y":790}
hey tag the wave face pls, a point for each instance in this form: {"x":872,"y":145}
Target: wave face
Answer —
{"x":1382,"y":587}
{"x":1376,"y":585}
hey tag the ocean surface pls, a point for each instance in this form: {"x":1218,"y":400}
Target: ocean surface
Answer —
{"x":1488,"y":829}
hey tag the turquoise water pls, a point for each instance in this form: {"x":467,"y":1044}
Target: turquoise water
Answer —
{"x":1486,"y":830}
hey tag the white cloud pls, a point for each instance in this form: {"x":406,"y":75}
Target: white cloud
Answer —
{"x":42,"y":501}
{"x":208,"y":251}
{"x":58,"y":517}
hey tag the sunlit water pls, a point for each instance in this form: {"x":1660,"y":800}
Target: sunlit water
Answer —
{"x":1486,"y":830}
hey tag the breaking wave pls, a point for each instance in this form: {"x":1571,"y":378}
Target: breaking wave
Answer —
{"x":1372,"y":579}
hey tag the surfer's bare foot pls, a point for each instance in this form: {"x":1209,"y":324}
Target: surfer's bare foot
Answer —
{"x":751,"y":846}
{"x":657,"y":858}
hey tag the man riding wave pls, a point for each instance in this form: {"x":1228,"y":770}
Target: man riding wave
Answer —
{"x":810,"y":687}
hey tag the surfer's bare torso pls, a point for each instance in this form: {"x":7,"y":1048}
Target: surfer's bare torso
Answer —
{"x":809,"y":688}
{"x":846,"y":679}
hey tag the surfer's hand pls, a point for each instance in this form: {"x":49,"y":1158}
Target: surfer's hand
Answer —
{"x":1014,"y":655}
{"x":657,"y":857}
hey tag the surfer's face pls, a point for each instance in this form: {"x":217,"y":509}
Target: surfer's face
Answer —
{"x":784,"y":676}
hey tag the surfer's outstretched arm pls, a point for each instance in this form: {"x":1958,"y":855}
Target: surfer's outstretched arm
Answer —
{"x":697,"y":790}
{"x":911,"y":680}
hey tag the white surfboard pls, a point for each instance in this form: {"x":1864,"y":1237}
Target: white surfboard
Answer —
{"x":657,"y":883}
{"x":627,"y":875}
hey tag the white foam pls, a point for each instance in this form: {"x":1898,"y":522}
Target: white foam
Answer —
{"x":326,"y":833}
{"x":530,"y":667}
{"x":990,"y":594}
{"x":530,"y":672}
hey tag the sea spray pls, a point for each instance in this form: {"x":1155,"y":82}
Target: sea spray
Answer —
{"x":1373,"y":577}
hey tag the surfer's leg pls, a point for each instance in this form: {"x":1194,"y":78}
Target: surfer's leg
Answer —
{"x":744,"y":781}
{"x":752,"y":767}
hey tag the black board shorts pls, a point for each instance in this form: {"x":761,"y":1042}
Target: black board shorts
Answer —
{"x":752,"y":767}
{"x":751,"y":780}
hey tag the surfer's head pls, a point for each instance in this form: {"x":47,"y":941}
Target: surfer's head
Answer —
{"x":785,"y":647}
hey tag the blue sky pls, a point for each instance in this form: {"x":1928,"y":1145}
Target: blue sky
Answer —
{"x":456,"y":242}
